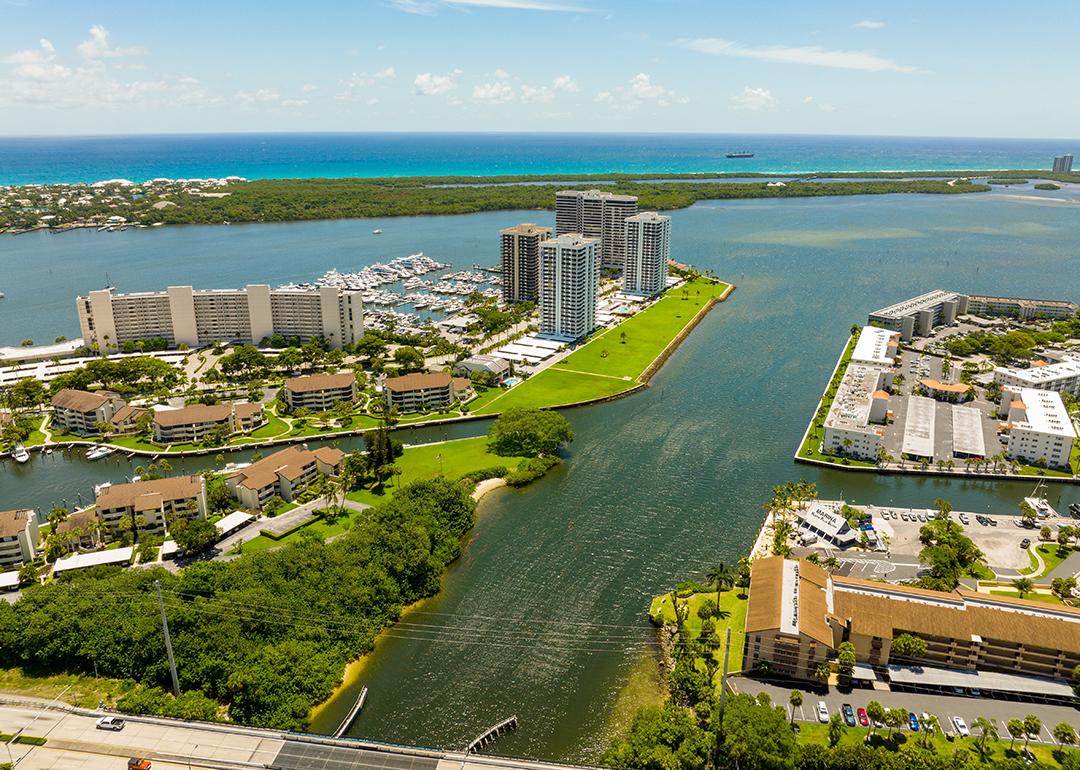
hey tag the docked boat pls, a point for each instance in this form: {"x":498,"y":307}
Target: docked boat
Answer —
{"x":376,"y":231}
{"x":740,"y":155}
{"x":1074,"y":510}
{"x":20,"y":455}
{"x":102,"y":486}
{"x":97,"y":452}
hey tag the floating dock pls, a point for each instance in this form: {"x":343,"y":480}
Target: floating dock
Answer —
{"x":483,"y":740}
{"x":354,"y":712}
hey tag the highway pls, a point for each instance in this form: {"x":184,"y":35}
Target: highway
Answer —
{"x":74,"y":743}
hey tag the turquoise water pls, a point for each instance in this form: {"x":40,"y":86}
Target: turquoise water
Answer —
{"x":26,"y":160}
{"x":543,"y":616}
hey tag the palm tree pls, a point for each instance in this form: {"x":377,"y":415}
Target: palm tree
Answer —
{"x":796,"y":700}
{"x":987,"y":732}
{"x":723,"y":577}
{"x":1023,"y":586}
{"x":1016,"y":730}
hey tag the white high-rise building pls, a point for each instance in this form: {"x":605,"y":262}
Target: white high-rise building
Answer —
{"x":569,"y":281}
{"x":648,"y":248}
{"x":596,"y":214}
{"x":1063,"y":164}
{"x":1040,"y":428}
{"x":182,"y":315}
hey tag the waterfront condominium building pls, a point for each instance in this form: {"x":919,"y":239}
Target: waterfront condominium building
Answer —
{"x":319,"y":392}
{"x":285,"y":474}
{"x":596,"y":214}
{"x":1063,"y":164}
{"x":1063,"y":377}
{"x":150,"y":504}
{"x":182,"y":315}
{"x":855,"y":425}
{"x":1020,"y":307}
{"x":648,"y":248}
{"x":569,"y":281}
{"x":521,"y":261}
{"x":18,"y":537}
{"x":798,"y":614}
{"x":80,"y":411}
{"x":919,"y":315}
{"x":1040,"y":429}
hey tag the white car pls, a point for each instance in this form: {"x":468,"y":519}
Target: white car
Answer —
{"x":961,"y":727}
{"x":822,"y":712}
{"x":109,"y":723}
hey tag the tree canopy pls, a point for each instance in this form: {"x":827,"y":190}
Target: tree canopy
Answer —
{"x":529,"y":433}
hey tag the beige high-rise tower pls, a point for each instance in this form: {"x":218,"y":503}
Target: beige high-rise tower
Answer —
{"x":521,"y":261}
{"x":648,"y":248}
{"x":569,"y":281}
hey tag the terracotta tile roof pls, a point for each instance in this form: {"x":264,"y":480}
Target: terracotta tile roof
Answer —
{"x":189,"y":415}
{"x":127,"y":412}
{"x":881,"y":394}
{"x":78,"y":520}
{"x":14,"y":522}
{"x":79,"y":400}
{"x":763,"y":605}
{"x":945,"y":387}
{"x":412,"y":382}
{"x":246,"y":410}
{"x":289,"y":463}
{"x":317,"y":382}
{"x":127,"y":495}
{"x":329,"y":455}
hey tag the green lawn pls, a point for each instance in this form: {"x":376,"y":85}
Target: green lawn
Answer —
{"x":732,"y":601}
{"x":77,"y":689}
{"x":1052,"y":555}
{"x":1048,"y":598}
{"x":274,"y":425}
{"x":320,"y":527}
{"x":606,"y":365}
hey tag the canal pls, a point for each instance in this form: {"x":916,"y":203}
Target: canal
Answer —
{"x":544,"y":615}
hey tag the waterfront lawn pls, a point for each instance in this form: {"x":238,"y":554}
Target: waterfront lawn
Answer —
{"x":458,"y":458}
{"x":324,"y":529}
{"x":274,"y":426}
{"x":732,"y":601}
{"x":588,"y":374}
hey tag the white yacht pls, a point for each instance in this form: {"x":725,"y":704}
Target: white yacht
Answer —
{"x":20,"y":455}
{"x":376,"y":231}
{"x":97,"y":452}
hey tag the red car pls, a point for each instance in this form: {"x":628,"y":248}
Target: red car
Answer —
{"x":864,"y":720}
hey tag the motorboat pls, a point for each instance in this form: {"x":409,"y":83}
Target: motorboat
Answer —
{"x":97,"y":452}
{"x":20,"y":455}
{"x":376,"y":231}
{"x":102,"y":486}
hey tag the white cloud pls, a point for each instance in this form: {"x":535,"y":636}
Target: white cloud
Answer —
{"x":307,"y":88}
{"x":808,"y":100}
{"x":293,"y":102}
{"x":260,"y":96}
{"x":434,"y":84}
{"x":361,"y":80}
{"x":868,"y":24}
{"x":498,"y":92}
{"x":427,"y":7}
{"x":812,"y":55}
{"x":43,"y":53}
{"x":640,"y":90}
{"x":754,"y":99}
{"x":502,"y":74}
{"x":97,"y":46}
{"x":561,"y":84}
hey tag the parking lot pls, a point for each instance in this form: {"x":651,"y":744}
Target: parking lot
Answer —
{"x":944,"y":707}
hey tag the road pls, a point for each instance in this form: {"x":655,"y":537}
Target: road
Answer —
{"x":945,"y":707}
{"x":73,"y":743}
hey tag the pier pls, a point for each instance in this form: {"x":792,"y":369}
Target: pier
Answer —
{"x":484,"y":739}
{"x":354,"y":712}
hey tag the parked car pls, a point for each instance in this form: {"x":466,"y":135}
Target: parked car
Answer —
{"x":864,"y":720}
{"x":822,"y":712}
{"x":913,"y":722}
{"x":1025,"y":543}
{"x":991,"y":521}
{"x":964,"y":519}
{"x":110,"y":723}
{"x":849,"y":714}
{"x":961,"y":727}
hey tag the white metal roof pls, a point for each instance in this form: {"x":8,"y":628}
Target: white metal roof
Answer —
{"x":1046,"y":413}
{"x":983,"y":680}
{"x":232,"y":521}
{"x":968,"y":431}
{"x":873,"y":345}
{"x":95,"y":559}
{"x":9,"y":579}
{"x":919,"y":427}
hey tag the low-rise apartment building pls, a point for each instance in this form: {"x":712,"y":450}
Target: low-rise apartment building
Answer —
{"x":319,"y":392}
{"x":797,"y":616}
{"x":80,"y":411}
{"x":1063,"y":377}
{"x":149,"y":505}
{"x":1040,"y":429}
{"x":18,"y":537}
{"x":81,"y":528}
{"x":194,"y":423}
{"x":1020,"y":307}
{"x":920,"y":315}
{"x":425,"y":392}
{"x":854,"y":426}
{"x":876,"y":346}
{"x":285,"y":474}
{"x":182,"y":315}
{"x":126,"y":419}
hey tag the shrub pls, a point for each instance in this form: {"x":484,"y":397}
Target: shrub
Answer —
{"x":530,"y":470}
{"x":493,"y":472}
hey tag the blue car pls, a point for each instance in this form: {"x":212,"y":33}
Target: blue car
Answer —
{"x":913,"y":721}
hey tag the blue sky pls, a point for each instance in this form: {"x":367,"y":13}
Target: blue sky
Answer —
{"x":912,"y":68}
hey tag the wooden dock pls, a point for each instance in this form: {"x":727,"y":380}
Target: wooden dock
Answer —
{"x":351,"y":716}
{"x":483,"y":740}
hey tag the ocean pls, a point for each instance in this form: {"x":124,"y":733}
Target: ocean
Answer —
{"x":30,"y":160}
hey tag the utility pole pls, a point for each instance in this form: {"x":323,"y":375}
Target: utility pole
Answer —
{"x":168,"y":641}
{"x":723,"y":677}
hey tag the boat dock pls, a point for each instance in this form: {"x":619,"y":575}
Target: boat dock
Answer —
{"x":483,"y":740}
{"x":351,"y":716}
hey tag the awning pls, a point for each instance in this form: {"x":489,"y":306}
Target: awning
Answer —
{"x":863,"y":671}
{"x":982,"y":680}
